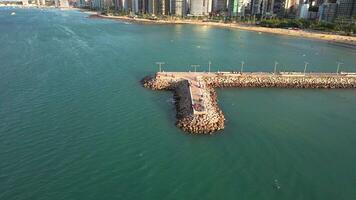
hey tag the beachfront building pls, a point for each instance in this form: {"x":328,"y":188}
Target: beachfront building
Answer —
{"x":172,"y":7}
{"x":14,"y":2}
{"x":157,"y":7}
{"x":232,"y":7}
{"x":200,"y":7}
{"x":127,"y":5}
{"x":256,"y":7}
{"x":244,"y":7}
{"x":291,"y":8}
{"x":152,"y":6}
{"x":219,"y":6}
{"x":346,"y":10}
{"x":303,"y":11}
{"x":142,"y":6}
{"x":278,"y":8}
{"x":97,"y":4}
{"x":63,"y":3}
{"x":165,"y":7}
{"x":78,"y":3}
{"x":38,"y":2}
{"x":180,"y":8}
{"x":327,"y":12}
{"x":262,"y":8}
{"x":286,"y":8}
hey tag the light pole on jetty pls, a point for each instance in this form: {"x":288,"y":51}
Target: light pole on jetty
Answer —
{"x":305,"y":66}
{"x":242,"y":66}
{"x":209,"y":66}
{"x":338,"y":66}
{"x":275,"y":66}
{"x":195,"y":67}
{"x":160,"y":65}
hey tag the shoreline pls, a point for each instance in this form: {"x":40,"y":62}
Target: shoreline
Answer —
{"x":347,"y":40}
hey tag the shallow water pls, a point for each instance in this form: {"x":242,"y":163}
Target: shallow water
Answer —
{"x":76,"y":123}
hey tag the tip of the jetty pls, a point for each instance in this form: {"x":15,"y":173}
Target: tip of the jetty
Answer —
{"x":200,"y":122}
{"x":196,"y":103}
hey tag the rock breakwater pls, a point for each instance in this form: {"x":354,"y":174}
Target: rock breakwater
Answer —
{"x":282,"y":81}
{"x":196,"y":101}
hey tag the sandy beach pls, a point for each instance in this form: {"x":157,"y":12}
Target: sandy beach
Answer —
{"x":347,"y":40}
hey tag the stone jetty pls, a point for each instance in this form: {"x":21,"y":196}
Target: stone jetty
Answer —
{"x":196,"y":100}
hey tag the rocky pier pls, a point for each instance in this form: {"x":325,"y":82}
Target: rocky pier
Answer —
{"x":196,"y":100}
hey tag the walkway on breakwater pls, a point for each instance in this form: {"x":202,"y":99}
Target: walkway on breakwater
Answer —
{"x":197,"y":108}
{"x":196,"y":88}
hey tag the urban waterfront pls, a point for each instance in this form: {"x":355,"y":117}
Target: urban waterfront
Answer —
{"x":77,"y":124}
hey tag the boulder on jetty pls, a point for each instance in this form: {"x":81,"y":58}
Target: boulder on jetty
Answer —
{"x":153,"y":82}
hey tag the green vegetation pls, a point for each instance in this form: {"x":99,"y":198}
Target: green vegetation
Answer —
{"x":348,"y":28}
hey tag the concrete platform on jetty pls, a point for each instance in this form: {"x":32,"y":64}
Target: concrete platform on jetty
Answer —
{"x":196,"y":102}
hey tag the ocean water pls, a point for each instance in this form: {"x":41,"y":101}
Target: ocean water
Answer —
{"x":75,"y":123}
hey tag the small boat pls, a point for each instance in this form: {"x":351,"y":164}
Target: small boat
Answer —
{"x":13,"y":13}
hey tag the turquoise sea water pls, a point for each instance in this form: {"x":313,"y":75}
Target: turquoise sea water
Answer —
{"x":75,"y":122}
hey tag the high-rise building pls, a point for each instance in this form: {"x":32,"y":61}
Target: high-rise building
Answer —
{"x":79,"y":3}
{"x":303,"y":11}
{"x":268,"y":7}
{"x":327,"y":12}
{"x":244,"y":7}
{"x":233,"y":6}
{"x":346,"y":9}
{"x":262,"y":7}
{"x":187,"y":6}
{"x":319,"y":2}
{"x":104,"y":3}
{"x":155,"y":6}
{"x":95,"y":4}
{"x":180,"y":7}
{"x":200,"y":7}
{"x":143,"y":6}
{"x":172,"y":7}
{"x":159,"y":7}
{"x":127,"y":5}
{"x":135,"y":6}
{"x":256,"y":7}
{"x":285,"y":8}
{"x":165,"y":7}
{"x":278,"y":8}
{"x":291,"y":7}
{"x":219,"y":6}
